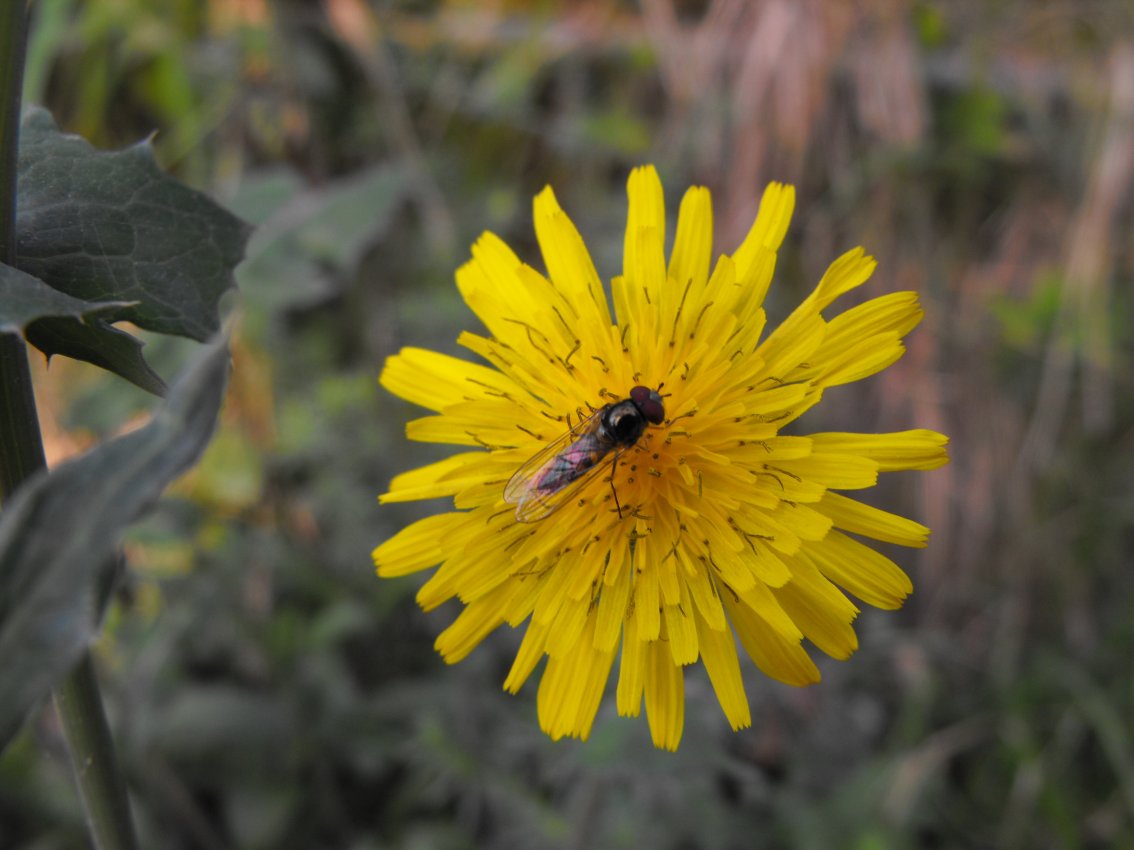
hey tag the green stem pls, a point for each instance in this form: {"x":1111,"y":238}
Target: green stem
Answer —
{"x":79,"y":706}
{"x":77,"y":700}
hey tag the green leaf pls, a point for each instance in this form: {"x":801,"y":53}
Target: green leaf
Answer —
{"x":59,"y":532}
{"x":24,"y":298}
{"x":102,"y":225}
{"x":94,"y":341}
{"x":57,"y":323}
{"x":319,"y":234}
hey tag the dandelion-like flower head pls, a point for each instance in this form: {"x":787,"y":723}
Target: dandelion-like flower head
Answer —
{"x":708,"y":527}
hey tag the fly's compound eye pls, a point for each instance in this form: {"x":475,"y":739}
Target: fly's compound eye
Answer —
{"x":649,"y":403}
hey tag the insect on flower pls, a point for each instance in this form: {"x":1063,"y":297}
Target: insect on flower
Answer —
{"x":549,"y":478}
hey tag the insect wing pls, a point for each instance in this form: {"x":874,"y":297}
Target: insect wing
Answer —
{"x":548,"y":479}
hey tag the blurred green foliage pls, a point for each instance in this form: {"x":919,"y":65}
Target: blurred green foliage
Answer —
{"x":268,"y":692}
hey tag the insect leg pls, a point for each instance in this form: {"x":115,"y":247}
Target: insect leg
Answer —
{"x":613,"y":489}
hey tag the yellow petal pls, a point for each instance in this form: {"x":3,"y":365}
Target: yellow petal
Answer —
{"x":767,"y":232}
{"x":567,"y":627}
{"x":497,"y":285}
{"x":646,"y":216}
{"x":822,"y":612}
{"x":791,"y":344}
{"x":849,"y":271}
{"x":778,"y":656}
{"x":612,"y":605}
{"x":436,"y":479}
{"x":468,"y":567}
{"x":703,"y":591}
{"x":665,"y":697}
{"x":917,"y":449}
{"x":647,"y":604}
{"x":718,"y":651}
{"x":572,"y":687}
{"x":569,"y":265}
{"x":862,"y":571}
{"x":436,"y":380}
{"x":859,"y":360}
{"x":856,"y":517}
{"x":804,"y":522}
{"x":416,"y":546}
{"x":837,"y":471}
{"x":552,"y":596}
{"x":441,"y":429}
{"x":528,"y":656}
{"x":776,"y":398}
{"x":693,"y":244}
{"x":896,"y":311}
{"x":763,"y":604}
{"x":681,"y":628}
{"x":632,"y":670}
{"x":472,"y":626}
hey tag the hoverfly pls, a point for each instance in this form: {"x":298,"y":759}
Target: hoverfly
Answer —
{"x":547,"y":480}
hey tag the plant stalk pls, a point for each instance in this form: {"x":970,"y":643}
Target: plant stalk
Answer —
{"x":79,"y":705}
{"x":77,"y":701}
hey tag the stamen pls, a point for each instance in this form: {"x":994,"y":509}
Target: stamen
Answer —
{"x":775,"y":478}
{"x":489,"y":446}
{"x":571,"y":353}
{"x":790,"y":475}
{"x":761,"y":417}
{"x":728,"y":587}
{"x":750,"y":535}
{"x":555,"y":309}
{"x":697,"y":321}
{"x":531,"y":340}
{"x":489,"y":389}
{"x":677,"y":315}
{"x":520,"y":539}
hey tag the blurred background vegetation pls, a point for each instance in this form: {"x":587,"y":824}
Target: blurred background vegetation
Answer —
{"x":268,"y":692}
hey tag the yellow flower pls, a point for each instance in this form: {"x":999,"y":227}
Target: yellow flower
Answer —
{"x":711,"y":525}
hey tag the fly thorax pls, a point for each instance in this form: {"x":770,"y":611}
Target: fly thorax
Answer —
{"x":624,"y":423}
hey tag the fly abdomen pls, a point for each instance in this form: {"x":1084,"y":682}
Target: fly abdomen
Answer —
{"x":572,"y":462}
